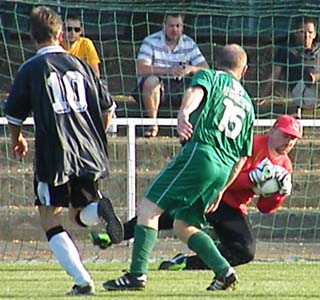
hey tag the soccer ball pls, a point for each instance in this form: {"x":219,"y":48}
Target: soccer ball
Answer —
{"x":267,"y":188}
{"x":305,"y":96}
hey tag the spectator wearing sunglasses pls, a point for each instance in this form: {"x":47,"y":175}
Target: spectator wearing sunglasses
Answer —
{"x":75,"y":44}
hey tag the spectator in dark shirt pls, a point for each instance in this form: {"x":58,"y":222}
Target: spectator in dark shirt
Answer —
{"x":299,"y":61}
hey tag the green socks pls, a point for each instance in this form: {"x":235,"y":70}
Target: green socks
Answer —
{"x":203,"y":245}
{"x":144,"y":240}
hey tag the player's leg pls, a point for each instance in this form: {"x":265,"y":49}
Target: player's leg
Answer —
{"x":175,"y":188}
{"x":234,"y":239}
{"x":50,"y":201}
{"x":145,"y":236}
{"x":209,"y":182}
{"x":202,"y":244}
{"x":210,"y":177}
{"x":90,"y":207}
{"x":234,"y":232}
{"x":185,"y":262}
{"x":103,"y":240}
{"x":110,"y":219}
{"x":163,"y":193}
{"x":151,"y":91}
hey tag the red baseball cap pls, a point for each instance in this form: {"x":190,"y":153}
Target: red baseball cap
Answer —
{"x":289,"y":125}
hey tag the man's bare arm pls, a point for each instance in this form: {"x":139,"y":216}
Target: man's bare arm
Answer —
{"x":235,"y":171}
{"x":192,"y":98}
{"x":145,"y":68}
{"x":190,"y":70}
{"x":96,"y":70}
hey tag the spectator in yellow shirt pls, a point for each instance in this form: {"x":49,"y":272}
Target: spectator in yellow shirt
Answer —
{"x":78,"y":45}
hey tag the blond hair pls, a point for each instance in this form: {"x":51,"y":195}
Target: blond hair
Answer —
{"x":45,"y":24}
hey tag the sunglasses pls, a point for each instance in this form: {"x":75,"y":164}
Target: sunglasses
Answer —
{"x":76,"y":29}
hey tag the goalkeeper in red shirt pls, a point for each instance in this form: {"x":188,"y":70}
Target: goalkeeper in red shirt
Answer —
{"x":234,"y":235}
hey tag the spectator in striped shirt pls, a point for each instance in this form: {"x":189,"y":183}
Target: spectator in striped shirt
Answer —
{"x":166,"y":61}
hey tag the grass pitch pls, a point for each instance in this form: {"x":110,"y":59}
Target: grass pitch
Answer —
{"x":262,"y":281}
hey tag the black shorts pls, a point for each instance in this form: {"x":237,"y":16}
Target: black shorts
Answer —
{"x":232,"y":227}
{"x":77,"y":191}
{"x":171,"y":93}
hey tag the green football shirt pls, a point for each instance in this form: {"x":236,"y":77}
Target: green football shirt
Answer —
{"x":225,"y":116}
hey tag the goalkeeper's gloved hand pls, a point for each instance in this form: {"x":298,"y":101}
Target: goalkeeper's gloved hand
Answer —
{"x":264,"y":171}
{"x":284,"y":179}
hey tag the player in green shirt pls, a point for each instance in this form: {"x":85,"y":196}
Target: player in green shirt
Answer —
{"x":215,"y":121}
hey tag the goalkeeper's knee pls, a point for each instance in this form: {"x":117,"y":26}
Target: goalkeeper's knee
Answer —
{"x":238,"y":254}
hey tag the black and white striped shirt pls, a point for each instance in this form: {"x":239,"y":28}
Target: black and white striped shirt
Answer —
{"x":67,"y":102}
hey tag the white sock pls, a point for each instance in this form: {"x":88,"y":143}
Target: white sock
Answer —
{"x":68,"y":256}
{"x":89,"y":214}
{"x":230,"y":271}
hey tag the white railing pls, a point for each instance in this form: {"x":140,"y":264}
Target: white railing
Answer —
{"x":131,"y":124}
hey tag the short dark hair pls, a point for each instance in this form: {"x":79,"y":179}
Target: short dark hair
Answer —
{"x":45,"y":24}
{"x":73,"y":17}
{"x":174,"y":15}
{"x":300,"y":21}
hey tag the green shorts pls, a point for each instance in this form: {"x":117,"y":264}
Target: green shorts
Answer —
{"x":187,"y":186}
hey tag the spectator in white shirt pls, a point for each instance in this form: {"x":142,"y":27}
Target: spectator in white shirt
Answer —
{"x":166,"y":61}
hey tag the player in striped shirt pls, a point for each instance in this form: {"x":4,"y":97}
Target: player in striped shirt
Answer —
{"x":71,"y":109}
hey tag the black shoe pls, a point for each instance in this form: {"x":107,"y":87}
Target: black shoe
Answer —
{"x":176,"y":263}
{"x":82,"y":290}
{"x":110,"y":219}
{"x":100,"y":239}
{"x":229,"y":281}
{"x":126,"y":282}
